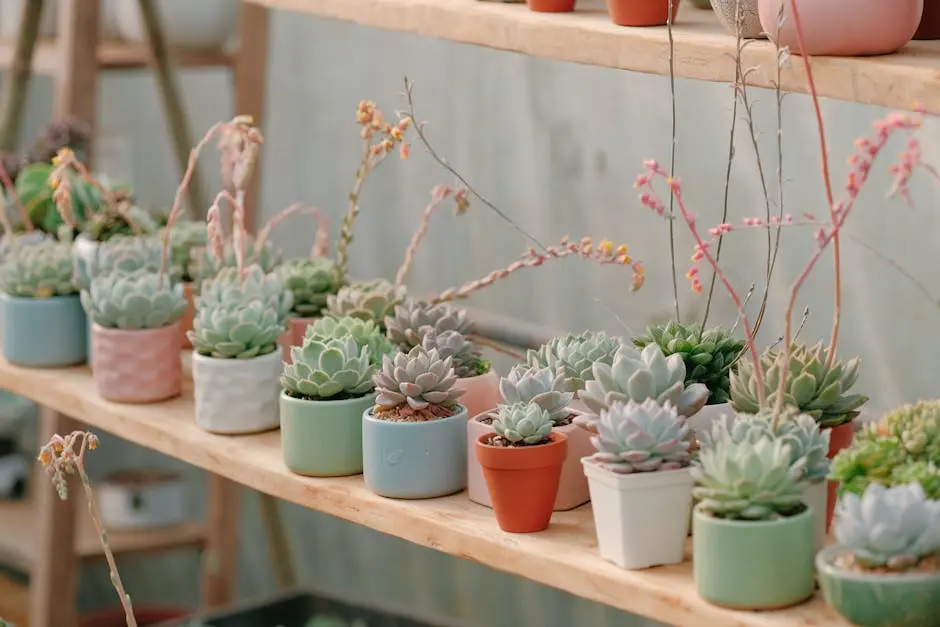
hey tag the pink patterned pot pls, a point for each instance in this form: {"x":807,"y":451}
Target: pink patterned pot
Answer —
{"x":481,"y":393}
{"x":139,"y":366}
{"x":294,"y":336}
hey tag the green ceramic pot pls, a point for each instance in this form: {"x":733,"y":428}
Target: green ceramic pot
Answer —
{"x":878,"y":600}
{"x":753,"y":565}
{"x":323,"y":438}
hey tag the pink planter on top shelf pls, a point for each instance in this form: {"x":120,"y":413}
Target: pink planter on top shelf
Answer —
{"x":481,"y":393}
{"x":139,"y":366}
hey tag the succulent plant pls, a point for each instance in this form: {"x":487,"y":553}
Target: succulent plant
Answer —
{"x":123,"y":254}
{"x":363,"y":332}
{"x":708,"y":359}
{"x":32,"y":186}
{"x":871,"y":461}
{"x":412,"y":319}
{"x":810,"y":386}
{"x":416,"y":386}
{"x":641,"y":437}
{"x":368,"y":300}
{"x":329,"y":368}
{"x":537,"y":386}
{"x":523,"y":424}
{"x":917,"y":428}
{"x":240,"y":316}
{"x":888,"y":528}
{"x":108,"y":223}
{"x":311,"y":281}
{"x":576,"y":353}
{"x":133,"y":301}
{"x":41,"y":270}
{"x":10,"y":242}
{"x":188,"y":238}
{"x":637,"y":376}
{"x":465,"y":355}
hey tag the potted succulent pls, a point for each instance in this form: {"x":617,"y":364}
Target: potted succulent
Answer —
{"x":188,"y":240}
{"x":311,"y":281}
{"x":475,"y":375}
{"x":575,"y":354}
{"x":414,"y":438}
{"x":43,"y":321}
{"x":884,"y":570}
{"x":521,"y":463}
{"x":641,"y":489}
{"x":367,"y":300}
{"x":532,"y":384}
{"x":327,"y":388}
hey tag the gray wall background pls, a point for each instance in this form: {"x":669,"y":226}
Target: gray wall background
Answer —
{"x":556,"y":146}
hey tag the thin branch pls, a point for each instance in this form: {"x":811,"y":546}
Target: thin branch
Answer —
{"x":672,"y":160}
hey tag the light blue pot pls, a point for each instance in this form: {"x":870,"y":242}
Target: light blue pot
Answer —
{"x":44,"y":332}
{"x":415,"y":460}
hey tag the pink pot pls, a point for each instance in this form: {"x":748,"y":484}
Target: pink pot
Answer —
{"x":294,"y":336}
{"x":573,"y":488}
{"x":481,"y":393}
{"x":846,"y":28}
{"x":140,"y":366}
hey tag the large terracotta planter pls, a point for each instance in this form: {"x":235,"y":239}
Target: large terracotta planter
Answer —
{"x":234,"y":396}
{"x":845,"y":28}
{"x":930,"y":21}
{"x":728,"y":13}
{"x":641,"y":12}
{"x":44,"y":332}
{"x":294,"y":336}
{"x":137,"y":366}
{"x":573,"y":488}
{"x":186,"y":322}
{"x":481,"y":393}
{"x":523,"y":481}
{"x":323,"y":438}
{"x":839,"y":438}
{"x":551,"y":6}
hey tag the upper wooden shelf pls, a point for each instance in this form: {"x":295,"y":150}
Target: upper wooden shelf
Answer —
{"x":113,"y":55}
{"x":565,"y":556}
{"x":702,"y":49}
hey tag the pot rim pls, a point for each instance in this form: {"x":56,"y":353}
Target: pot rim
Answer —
{"x":557,"y":437}
{"x":460,"y":414}
{"x":629,"y":482}
{"x":285,"y":397}
{"x":563,"y":428}
{"x":489,"y":373}
{"x":750,"y":524}
{"x":825,"y":567}
{"x":58,"y":298}
{"x":97,"y":328}
{"x":231,"y":362}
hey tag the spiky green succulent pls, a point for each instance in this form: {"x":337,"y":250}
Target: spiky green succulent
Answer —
{"x":108,"y":223}
{"x":136,"y":300}
{"x":867,"y":462}
{"x":466,"y":356}
{"x":641,"y":437}
{"x":188,"y":239}
{"x":575,"y":354}
{"x":363,"y":332}
{"x":40,"y":270}
{"x":329,"y":368}
{"x":368,"y":300}
{"x":416,"y":386}
{"x":123,"y":254}
{"x":811,"y":387}
{"x":708,"y":356}
{"x":537,"y":386}
{"x":412,"y":319}
{"x":893,"y":528}
{"x":311,"y":281}
{"x":523,"y":424}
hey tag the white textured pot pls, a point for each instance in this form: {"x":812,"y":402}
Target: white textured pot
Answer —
{"x":203,"y":25}
{"x":641,"y":519}
{"x":141,"y":498}
{"x":237,"y":395}
{"x":704,"y":418}
{"x":816,"y":496}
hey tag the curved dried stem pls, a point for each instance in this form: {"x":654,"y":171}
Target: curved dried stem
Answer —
{"x":438,"y":195}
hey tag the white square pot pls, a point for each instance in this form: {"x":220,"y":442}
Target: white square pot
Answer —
{"x":642,"y":519}
{"x":237,"y":395}
{"x":816,"y":497}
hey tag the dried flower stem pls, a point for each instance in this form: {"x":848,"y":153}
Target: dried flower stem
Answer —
{"x":11,"y":192}
{"x":438,"y":195}
{"x":239,"y":234}
{"x":321,"y":240}
{"x":672,"y":159}
{"x":482,"y":341}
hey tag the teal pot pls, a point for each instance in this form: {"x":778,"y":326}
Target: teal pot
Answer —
{"x":44,"y":332}
{"x":878,"y":599}
{"x":415,"y":460}
{"x":323,"y":438}
{"x":753,"y":565}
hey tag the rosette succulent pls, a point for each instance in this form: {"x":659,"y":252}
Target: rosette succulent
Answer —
{"x":810,"y":387}
{"x":416,"y":386}
{"x":575,"y":354}
{"x":363,"y":332}
{"x":522,"y":424}
{"x":188,"y":240}
{"x":40,"y":270}
{"x":311,"y":281}
{"x":537,"y":386}
{"x":641,"y":437}
{"x":10,"y":242}
{"x":465,"y":355}
{"x":917,"y":428}
{"x":329,"y":369}
{"x":708,"y":356}
{"x":121,"y":254}
{"x":888,"y":528}
{"x":368,"y":300}
{"x":133,"y":301}
{"x":411,"y":320}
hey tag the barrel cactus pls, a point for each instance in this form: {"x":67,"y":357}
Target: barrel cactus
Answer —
{"x":369,"y":300}
{"x":411,"y":320}
{"x":188,"y":240}
{"x":465,"y":355}
{"x":135,"y":300}
{"x":522,"y":424}
{"x":363,"y":332}
{"x":537,"y":386}
{"x":311,"y":281}
{"x":40,"y":270}
{"x":641,"y":437}
{"x":810,"y":387}
{"x":888,"y":528}
{"x":575,"y":354}
{"x":122,"y":254}
{"x":329,"y":369}
{"x":415,"y":387}
{"x":708,"y":356}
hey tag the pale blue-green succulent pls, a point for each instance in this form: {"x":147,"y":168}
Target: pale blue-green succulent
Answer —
{"x":329,"y":368}
{"x":311,"y":281}
{"x":135,"y":300}
{"x":538,"y":386}
{"x":641,"y":437}
{"x":40,"y":270}
{"x":206,"y":266}
{"x":188,"y":240}
{"x":575,"y":355}
{"x":413,"y":319}
{"x":523,"y":424}
{"x":465,"y":355}
{"x":123,"y":254}
{"x":416,"y":386}
{"x":368,"y":300}
{"x":363,"y":332}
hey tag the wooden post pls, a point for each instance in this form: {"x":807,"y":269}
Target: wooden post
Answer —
{"x":16,"y":85}
{"x":52,"y":581}
{"x":221,"y":554}
{"x":76,"y":85}
{"x":282,"y":559}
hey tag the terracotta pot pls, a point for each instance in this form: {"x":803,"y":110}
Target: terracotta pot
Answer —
{"x":846,"y":28}
{"x":114,"y":617}
{"x":186,"y":322}
{"x":138,"y":366}
{"x":930,"y":21}
{"x":641,"y":12}
{"x":481,"y":393}
{"x":523,"y":481}
{"x":296,"y":327}
{"x":839,"y":438}
{"x":551,"y":6}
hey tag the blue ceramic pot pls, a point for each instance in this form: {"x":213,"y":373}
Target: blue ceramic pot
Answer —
{"x":44,"y":332}
{"x":415,"y":460}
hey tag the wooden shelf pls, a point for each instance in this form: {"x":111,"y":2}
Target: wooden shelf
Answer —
{"x":564,"y":556}
{"x":702,"y":49}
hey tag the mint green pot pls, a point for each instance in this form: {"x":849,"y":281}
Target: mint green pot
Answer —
{"x":753,"y":565}
{"x":879,"y":600}
{"x":323,"y":438}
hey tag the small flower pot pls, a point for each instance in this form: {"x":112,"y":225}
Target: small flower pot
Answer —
{"x":839,"y":438}
{"x":236,"y":396}
{"x":816,"y":497}
{"x":727,"y":13}
{"x":481,"y":393}
{"x":753,"y":565}
{"x":523,"y":481}
{"x":44,"y":332}
{"x":415,"y":460}
{"x":323,"y":438}
{"x":294,"y":336}
{"x":137,"y":366}
{"x":572,"y":487}
{"x":141,"y":498}
{"x":879,"y":599}
{"x":186,"y":322}
{"x":641,"y":12}
{"x":930,"y":21}
{"x":642,"y":518}
{"x":551,"y":6}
